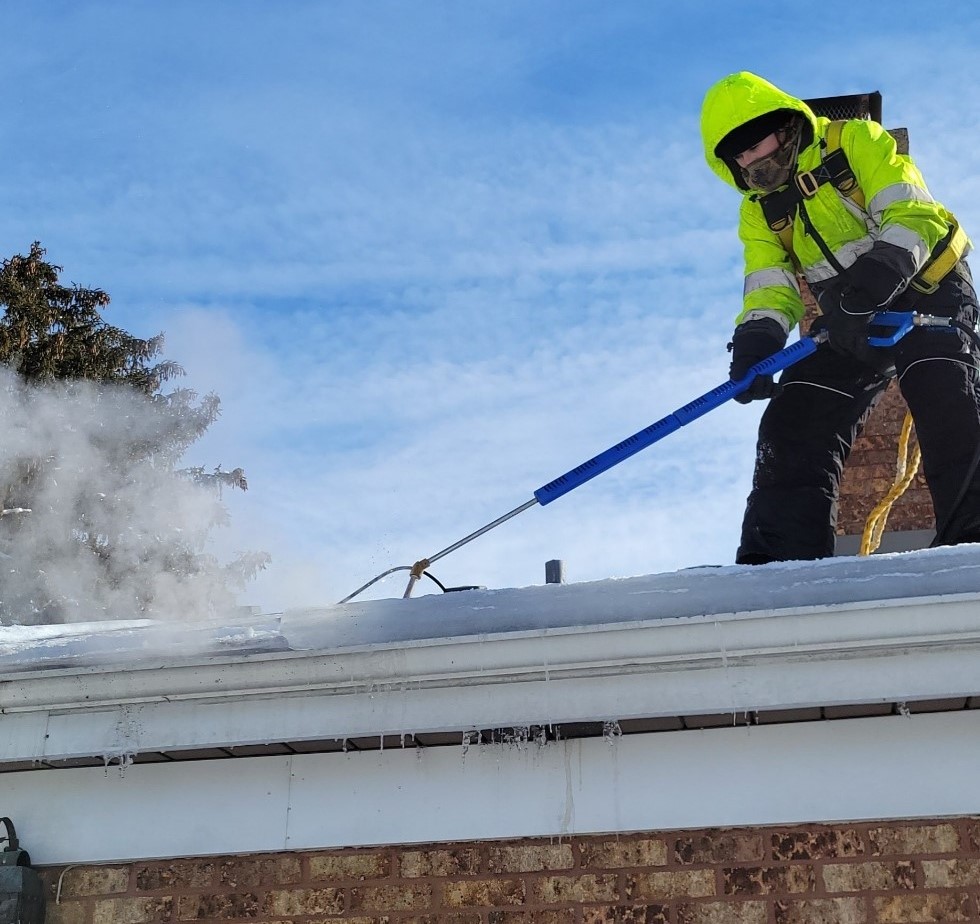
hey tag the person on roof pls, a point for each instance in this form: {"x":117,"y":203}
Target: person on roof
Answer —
{"x":856,"y":220}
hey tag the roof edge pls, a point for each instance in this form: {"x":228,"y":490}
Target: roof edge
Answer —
{"x":897,"y":651}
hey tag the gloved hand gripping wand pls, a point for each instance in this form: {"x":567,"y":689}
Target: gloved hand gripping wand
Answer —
{"x":898,"y":323}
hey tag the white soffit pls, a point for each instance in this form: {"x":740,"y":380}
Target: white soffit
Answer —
{"x":920,"y":766}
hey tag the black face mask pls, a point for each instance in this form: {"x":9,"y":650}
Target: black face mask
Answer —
{"x":774,"y":170}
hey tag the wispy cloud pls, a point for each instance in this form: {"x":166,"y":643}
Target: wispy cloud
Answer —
{"x":433,"y":256}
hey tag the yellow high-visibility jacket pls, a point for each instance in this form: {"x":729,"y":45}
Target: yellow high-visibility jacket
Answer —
{"x":899,"y":209}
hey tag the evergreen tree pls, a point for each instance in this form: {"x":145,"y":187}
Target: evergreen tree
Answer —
{"x":96,"y":520}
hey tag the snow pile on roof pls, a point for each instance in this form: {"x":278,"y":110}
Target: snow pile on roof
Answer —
{"x":692,"y":593}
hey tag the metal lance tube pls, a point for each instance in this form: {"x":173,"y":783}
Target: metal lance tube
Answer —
{"x":419,"y":567}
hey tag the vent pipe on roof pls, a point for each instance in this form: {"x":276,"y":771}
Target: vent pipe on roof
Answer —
{"x":554,"y":571}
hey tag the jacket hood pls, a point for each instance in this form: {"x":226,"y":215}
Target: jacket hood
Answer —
{"x":735,"y":100}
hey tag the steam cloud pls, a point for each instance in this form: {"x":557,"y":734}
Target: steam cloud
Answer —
{"x":112,"y":532}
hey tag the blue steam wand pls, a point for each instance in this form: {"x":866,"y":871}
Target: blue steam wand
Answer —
{"x":896,"y":324}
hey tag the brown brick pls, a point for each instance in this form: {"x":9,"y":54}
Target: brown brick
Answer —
{"x":720,"y":847}
{"x":913,"y":839}
{"x":133,"y":910}
{"x":948,"y":874}
{"x":415,"y":863}
{"x":483,"y":892}
{"x":905,"y":909}
{"x":359,"y":866}
{"x":868,"y":877}
{"x":414,"y":897}
{"x":411,"y":919}
{"x":552,"y":890}
{"x":625,"y":914}
{"x":252,"y":872}
{"x":66,"y":913}
{"x":813,"y":845}
{"x":768,"y":880}
{"x":360,"y":920}
{"x":620,"y":853}
{"x":683,"y":884}
{"x":446,"y":917}
{"x":94,"y":880}
{"x":526,"y":917}
{"x":293,"y":902}
{"x":218,"y":906}
{"x":821,"y":911}
{"x":526,"y":858}
{"x":722,"y":913}
{"x":974,"y":836}
{"x":180,"y":874}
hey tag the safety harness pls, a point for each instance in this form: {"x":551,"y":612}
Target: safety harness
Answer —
{"x":781,"y":207}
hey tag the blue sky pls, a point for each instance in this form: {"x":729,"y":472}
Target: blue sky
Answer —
{"x":431,"y":255}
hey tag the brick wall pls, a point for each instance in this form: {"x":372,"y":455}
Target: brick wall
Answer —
{"x":870,"y":473}
{"x":848,"y":874}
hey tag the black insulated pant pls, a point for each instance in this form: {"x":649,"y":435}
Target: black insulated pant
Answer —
{"x":807,"y":432}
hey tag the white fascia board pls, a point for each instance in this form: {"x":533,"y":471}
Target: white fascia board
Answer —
{"x":866,"y":653}
{"x":920,"y":766}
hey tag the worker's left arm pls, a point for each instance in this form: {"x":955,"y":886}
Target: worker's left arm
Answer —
{"x":907,"y":222}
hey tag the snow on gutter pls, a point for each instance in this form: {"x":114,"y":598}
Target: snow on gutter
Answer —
{"x":690,"y":643}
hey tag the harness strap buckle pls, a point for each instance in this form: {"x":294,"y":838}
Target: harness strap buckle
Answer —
{"x":807,"y":183}
{"x":840,"y":174}
{"x":924,"y":287}
{"x":846,"y":183}
{"x":781,"y":224}
{"x":947,"y":254}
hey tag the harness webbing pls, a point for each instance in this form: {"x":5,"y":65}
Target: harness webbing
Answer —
{"x":781,"y":207}
{"x":946,"y":255}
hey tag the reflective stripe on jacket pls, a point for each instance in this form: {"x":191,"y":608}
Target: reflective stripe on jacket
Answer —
{"x":899,"y":208}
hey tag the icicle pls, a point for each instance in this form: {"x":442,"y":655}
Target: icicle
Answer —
{"x":611,"y":732}
{"x":124,"y":761}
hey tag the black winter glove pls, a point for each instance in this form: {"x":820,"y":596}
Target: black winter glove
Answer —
{"x":752,"y":342}
{"x":847,"y":323}
{"x":850,"y":301}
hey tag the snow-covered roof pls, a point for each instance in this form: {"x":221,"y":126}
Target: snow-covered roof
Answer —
{"x":665,"y":635}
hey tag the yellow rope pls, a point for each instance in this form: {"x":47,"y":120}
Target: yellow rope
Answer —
{"x":874,"y":529}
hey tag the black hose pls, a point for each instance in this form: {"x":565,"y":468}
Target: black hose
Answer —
{"x":432,"y":577}
{"x":967,"y":329}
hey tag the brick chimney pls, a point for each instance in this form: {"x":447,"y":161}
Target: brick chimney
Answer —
{"x":870,"y":470}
